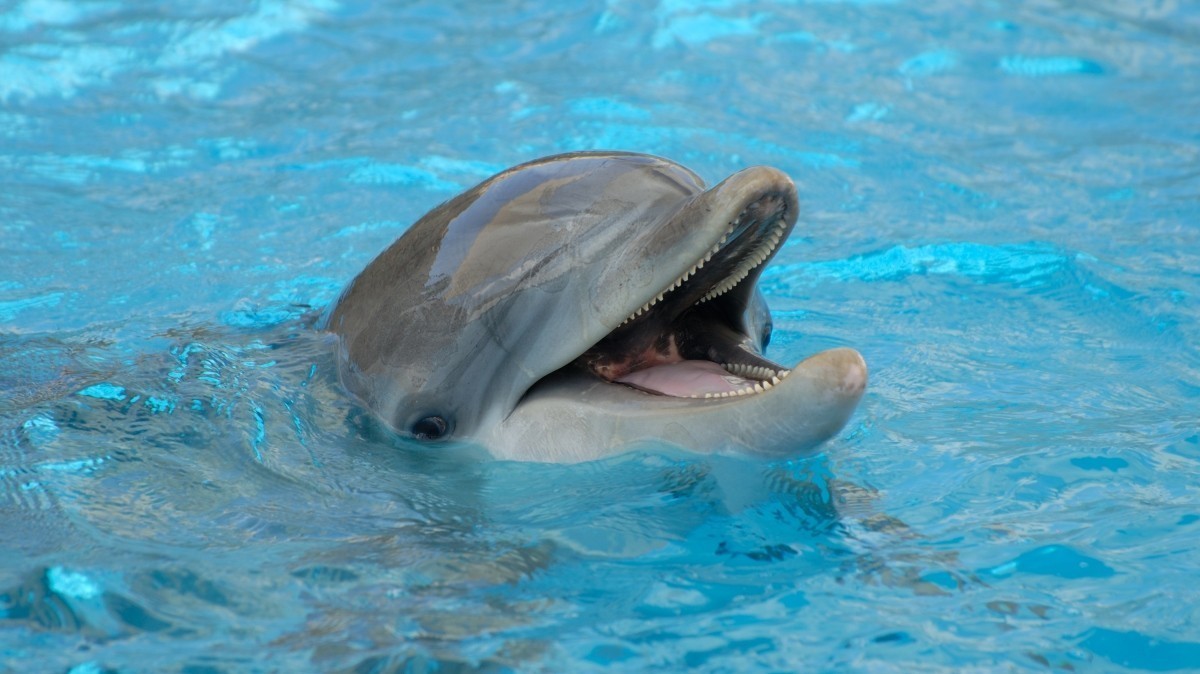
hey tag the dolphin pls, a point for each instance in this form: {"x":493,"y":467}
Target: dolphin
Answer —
{"x":585,"y":304}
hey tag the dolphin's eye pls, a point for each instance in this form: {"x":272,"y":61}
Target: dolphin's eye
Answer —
{"x":430,"y":428}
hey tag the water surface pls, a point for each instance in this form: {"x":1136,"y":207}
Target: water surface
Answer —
{"x":999,"y":209}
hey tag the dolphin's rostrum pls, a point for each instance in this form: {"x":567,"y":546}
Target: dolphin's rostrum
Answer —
{"x":583,"y":304}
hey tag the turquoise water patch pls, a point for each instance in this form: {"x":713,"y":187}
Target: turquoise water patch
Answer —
{"x":160,"y":405}
{"x":1138,"y":651}
{"x":10,"y":309}
{"x":369,"y":172}
{"x":867,"y":112}
{"x":929,"y":63}
{"x":617,"y":134}
{"x":32,"y":14}
{"x":73,"y":584}
{"x":77,"y":466}
{"x":467,"y":168}
{"x":397,"y":174}
{"x":1026,"y":66}
{"x":353,"y":230}
{"x":998,"y":208}
{"x":699,"y":29}
{"x":81,"y":169}
{"x":1054,"y":560}
{"x":46,"y":69}
{"x":1101,"y":463}
{"x":606,"y":107}
{"x":104,"y":392}
{"x":1020,"y":264}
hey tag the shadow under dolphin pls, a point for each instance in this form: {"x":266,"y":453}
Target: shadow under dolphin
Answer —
{"x":585,"y":304}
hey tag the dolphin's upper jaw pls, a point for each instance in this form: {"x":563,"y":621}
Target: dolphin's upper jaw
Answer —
{"x":689,"y":340}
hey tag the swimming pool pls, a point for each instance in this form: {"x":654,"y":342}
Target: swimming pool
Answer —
{"x":999,"y":210}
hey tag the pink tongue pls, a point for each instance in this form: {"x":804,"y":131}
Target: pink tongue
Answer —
{"x":685,"y":379}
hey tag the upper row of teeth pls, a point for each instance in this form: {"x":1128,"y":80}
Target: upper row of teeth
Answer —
{"x":758,"y":387}
{"x":688,"y":274}
{"x":752,"y":261}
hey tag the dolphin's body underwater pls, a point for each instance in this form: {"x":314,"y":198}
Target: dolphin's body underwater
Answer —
{"x":584,"y":304}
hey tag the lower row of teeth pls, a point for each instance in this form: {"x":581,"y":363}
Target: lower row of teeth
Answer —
{"x":759,"y":387}
{"x":753,"y":260}
{"x":750,"y":371}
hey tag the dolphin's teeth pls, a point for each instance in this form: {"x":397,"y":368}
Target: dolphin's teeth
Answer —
{"x":707,"y":396}
{"x":749,"y":263}
{"x":767,"y":385}
{"x":758,"y":388}
{"x":775,"y":379}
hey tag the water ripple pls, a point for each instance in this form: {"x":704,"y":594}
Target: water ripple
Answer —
{"x":1022,"y":264}
{"x":1027,"y":66}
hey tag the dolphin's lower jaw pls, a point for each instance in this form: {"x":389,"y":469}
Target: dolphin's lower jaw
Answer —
{"x":572,"y":416}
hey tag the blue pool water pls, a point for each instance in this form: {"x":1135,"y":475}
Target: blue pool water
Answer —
{"x":1001,"y":211}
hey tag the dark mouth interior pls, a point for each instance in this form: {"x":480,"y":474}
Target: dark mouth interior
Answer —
{"x":691,"y":340}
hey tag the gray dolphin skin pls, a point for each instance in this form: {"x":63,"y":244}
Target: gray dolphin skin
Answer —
{"x":585,"y":304}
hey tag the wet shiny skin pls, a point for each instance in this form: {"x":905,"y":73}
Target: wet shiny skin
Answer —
{"x":615,"y":262}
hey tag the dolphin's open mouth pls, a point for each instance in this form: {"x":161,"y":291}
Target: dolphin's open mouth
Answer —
{"x":692,"y":340}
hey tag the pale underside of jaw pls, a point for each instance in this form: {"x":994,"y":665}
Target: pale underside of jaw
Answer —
{"x":701,"y":378}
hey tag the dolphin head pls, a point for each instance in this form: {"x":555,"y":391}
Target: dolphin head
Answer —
{"x":619,"y":269}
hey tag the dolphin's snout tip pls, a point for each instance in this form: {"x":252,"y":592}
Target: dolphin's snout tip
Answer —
{"x":843,"y":371}
{"x":854,"y":376}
